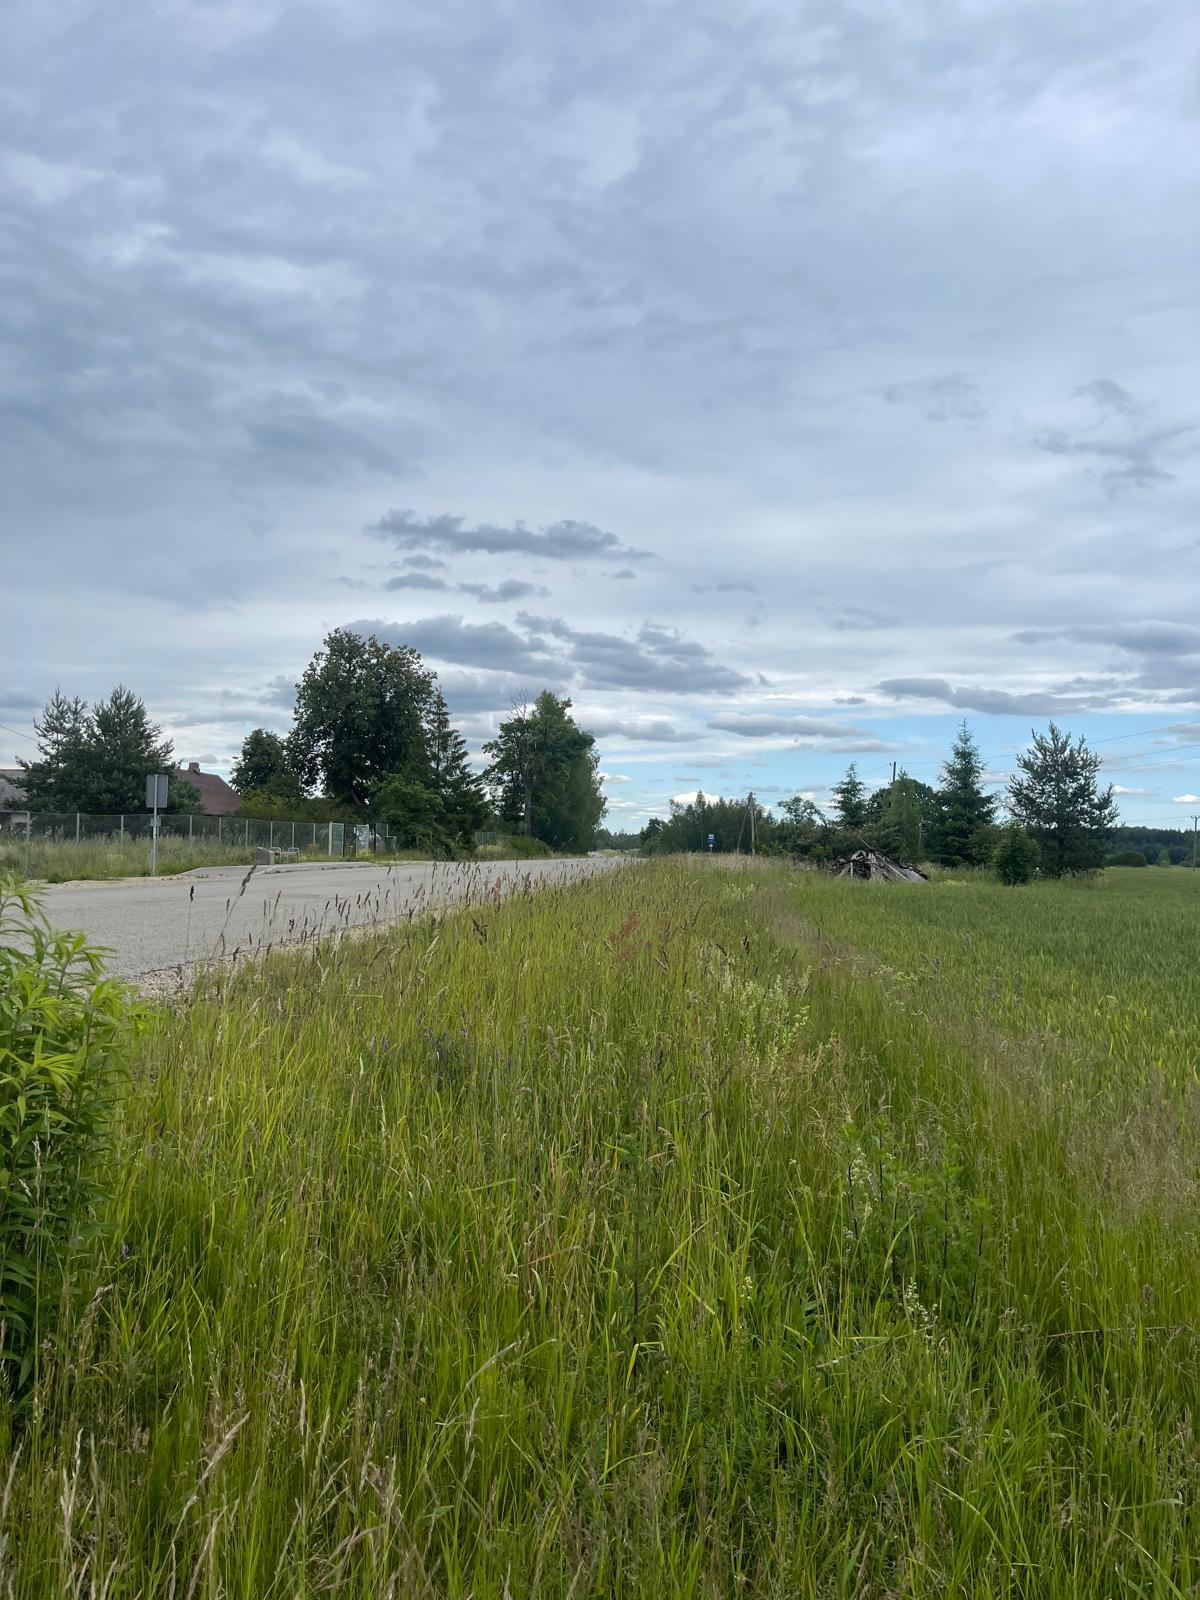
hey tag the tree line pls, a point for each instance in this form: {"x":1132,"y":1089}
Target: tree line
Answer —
{"x":371,"y":741}
{"x":1059,"y":819}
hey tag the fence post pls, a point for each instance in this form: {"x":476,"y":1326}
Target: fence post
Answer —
{"x":220,"y":820}
{"x":314,"y":839}
{"x":122,"y":821}
{"x":246,"y":840}
{"x":271,"y":837}
{"x":293,"y":835}
{"x":77,"y":827}
{"x":28,"y":838}
{"x":329,"y":846}
{"x":189,"y":827}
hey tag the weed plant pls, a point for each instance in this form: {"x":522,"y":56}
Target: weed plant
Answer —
{"x":634,"y":1238}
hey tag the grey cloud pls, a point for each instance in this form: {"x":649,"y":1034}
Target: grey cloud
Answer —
{"x":416,"y":580}
{"x":320,"y":449}
{"x":1139,"y":638}
{"x":559,"y":541}
{"x":280,"y":691}
{"x":474,"y":692}
{"x":471,"y":644}
{"x":1111,"y":396}
{"x":768,"y":725}
{"x":860,"y":619}
{"x":657,"y":658}
{"x":425,"y":563}
{"x":624,"y":573}
{"x":939,"y":399}
{"x":993,"y":702}
{"x":1137,"y":454}
{"x":653,"y":730}
{"x":510,"y":589}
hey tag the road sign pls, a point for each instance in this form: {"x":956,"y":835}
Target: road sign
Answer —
{"x":156,"y":799}
{"x":712,"y":839}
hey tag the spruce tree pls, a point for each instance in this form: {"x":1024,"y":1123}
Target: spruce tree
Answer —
{"x":125,"y":747}
{"x":1056,"y":796}
{"x":966,"y":812}
{"x":58,"y":781}
{"x":459,"y":789}
{"x":850,"y":799}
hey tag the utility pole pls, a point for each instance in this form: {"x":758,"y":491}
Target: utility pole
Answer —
{"x":1195,"y":826}
{"x":750,"y":808}
{"x":893,"y":774}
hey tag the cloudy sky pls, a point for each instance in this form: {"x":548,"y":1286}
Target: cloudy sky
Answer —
{"x":784,"y":381}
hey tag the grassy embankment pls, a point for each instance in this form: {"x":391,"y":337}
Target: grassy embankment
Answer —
{"x":631,"y":1239}
{"x":64,"y":861}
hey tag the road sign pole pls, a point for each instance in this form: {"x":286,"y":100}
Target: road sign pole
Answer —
{"x":156,"y":796}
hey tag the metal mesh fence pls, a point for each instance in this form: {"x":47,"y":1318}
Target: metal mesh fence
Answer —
{"x":232,"y":834}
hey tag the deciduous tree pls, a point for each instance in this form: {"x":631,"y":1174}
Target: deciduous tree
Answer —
{"x":361,"y":710}
{"x":544,"y":774}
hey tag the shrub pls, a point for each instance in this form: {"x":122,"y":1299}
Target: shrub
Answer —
{"x":1016,"y":856}
{"x":63,"y":1027}
{"x":1127,"y":858}
{"x":514,"y":847}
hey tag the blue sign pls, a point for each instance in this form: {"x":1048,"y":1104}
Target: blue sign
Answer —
{"x":712,"y":839}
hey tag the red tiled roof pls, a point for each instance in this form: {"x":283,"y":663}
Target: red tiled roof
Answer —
{"x":217,"y":799}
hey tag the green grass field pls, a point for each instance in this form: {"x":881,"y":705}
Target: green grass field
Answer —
{"x":694,"y":1231}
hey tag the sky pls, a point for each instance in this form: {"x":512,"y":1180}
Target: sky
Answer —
{"x":784,"y":382}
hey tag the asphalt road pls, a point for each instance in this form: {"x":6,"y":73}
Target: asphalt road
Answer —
{"x":155,"y":924}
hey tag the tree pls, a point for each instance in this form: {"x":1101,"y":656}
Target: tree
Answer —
{"x":1127,"y":858}
{"x":99,"y":760}
{"x":125,"y":746}
{"x":416,"y":813}
{"x":966,"y":813}
{"x":850,"y":799}
{"x":263,"y":769}
{"x":58,"y":781}
{"x":802,"y":829}
{"x":1055,"y":795}
{"x":361,"y":709}
{"x":1015,"y":857}
{"x":459,"y":789}
{"x":899,"y":832}
{"x":543,"y":774}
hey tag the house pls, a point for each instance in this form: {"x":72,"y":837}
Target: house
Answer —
{"x":217,"y":799}
{"x":12,"y":789}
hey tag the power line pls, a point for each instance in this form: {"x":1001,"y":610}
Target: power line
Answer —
{"x":18,"y":733}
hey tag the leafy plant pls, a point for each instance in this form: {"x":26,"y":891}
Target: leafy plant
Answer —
{"x":1016,"y":855}
{"x":62,"y":1031}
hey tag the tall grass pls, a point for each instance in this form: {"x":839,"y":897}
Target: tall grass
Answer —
{"x":110,"y":856}
{"x":631,"y":1239}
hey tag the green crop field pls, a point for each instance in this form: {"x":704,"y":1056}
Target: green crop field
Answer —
{"x":692,"y":1231}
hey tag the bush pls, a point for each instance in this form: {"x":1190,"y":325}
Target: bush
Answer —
{"x":1127,"y":858}
{"x":515,"y":847}
{"x":1016,"y":856}
{"x":62,"y":1031}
